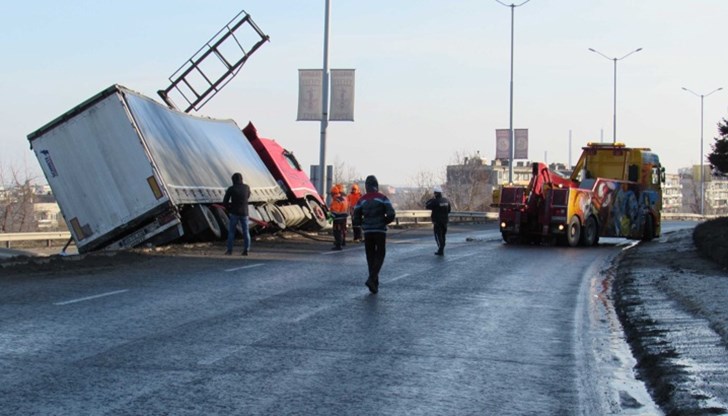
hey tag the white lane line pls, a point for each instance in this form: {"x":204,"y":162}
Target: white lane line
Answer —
{"x":458,"y":257}
{"x":326,"y":253}
{"x":397,"y":278}
{"x":250,"y":266}
{"x":116,"y":292}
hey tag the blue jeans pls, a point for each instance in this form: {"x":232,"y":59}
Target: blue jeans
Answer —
{"x":232,"y":228}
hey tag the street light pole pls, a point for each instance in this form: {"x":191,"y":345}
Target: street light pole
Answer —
{"x":702,"y":179}
{"x":614,"y":128}
{"x":510,"y":128}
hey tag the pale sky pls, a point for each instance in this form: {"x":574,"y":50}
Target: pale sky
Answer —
{"x":432,"y":77}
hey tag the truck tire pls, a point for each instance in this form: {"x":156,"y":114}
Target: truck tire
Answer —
{"x":222,"y":220}
{"x":318,"y":213}
{"x":648,"y":231}
{"x":590,"y":233}
{"x":201,"y":223}
{"x":276,"y":216}
{"x":511,"y":238}
{"x":573,"y":231}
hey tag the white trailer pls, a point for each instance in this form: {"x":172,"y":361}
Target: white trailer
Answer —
{"x":126,"y":170}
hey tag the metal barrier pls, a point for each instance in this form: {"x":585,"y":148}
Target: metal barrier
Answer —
{"x":7,"y":238}
{"x":415,"y":216}
{"x":403,"y":216}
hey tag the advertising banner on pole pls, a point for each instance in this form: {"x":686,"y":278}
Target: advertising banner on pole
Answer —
{"x":502,"y":144}
{"x":520,"y":143}
{"x":342,"y":95}
{"x":310,"y":87}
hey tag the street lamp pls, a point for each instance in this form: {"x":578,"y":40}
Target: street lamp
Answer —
{"x":702,"y":179}
{"x":614,"y":128}
{"x":510,"y":128}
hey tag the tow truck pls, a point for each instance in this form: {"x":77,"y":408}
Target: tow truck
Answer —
{"x":613,"y":191}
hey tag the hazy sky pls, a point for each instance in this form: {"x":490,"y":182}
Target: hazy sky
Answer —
{"x":432,"y":77}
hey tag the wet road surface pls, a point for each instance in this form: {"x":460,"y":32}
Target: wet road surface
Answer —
{"x":486,"y":329}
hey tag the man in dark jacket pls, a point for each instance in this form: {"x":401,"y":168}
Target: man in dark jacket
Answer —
{"x":236,"y":203}
{"x":440,"y":208}
{"x":372,"y":213}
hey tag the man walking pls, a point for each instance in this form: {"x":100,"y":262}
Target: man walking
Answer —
{"x":440,"y":208}
{"x":372,"y":213}
{"x":236,"y":203}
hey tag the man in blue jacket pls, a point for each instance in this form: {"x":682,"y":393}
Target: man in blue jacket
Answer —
{"x":372,"y":213}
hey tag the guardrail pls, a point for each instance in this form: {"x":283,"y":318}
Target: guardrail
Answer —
{"x":415,"y":216}
{"x":48,"y":237}
{"x":403,"y":216}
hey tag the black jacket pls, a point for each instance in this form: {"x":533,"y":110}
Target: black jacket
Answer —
{"x":440,"y":207}
{"x":236,"y":199}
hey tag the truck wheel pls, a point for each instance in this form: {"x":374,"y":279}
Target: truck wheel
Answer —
{"x":573,"y":232}
{"x":222,"y":220}
{"x":511,"y":238}
{"x":648,"y":231}
{"x":201,"y":223}
{"x":276,"y":216}
{"x":589,"y":235}
{"x":319,"y":215}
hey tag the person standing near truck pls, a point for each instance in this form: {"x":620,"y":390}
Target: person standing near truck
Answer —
{"x":236,"y":202}
{"x":373,"y":212}
{"x":353,"y":199}
{"x":440,"y":207}
{"x":340,"y":211}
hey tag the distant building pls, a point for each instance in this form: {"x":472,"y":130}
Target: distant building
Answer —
{"x":672,"y":193}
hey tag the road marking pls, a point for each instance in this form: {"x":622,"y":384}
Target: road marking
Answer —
{"x":250,"y":266}
{"x":218,"y":355}
{"x":458,"y":257}
{"x":116,"y":292}
{"x":326,"y":253}
{"x":397,"y":278}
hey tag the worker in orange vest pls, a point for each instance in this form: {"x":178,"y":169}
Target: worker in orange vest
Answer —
{"x":352,"y":199}
{"x":339,"y":209}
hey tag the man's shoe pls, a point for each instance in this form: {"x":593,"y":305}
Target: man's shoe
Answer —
{"x":227,"y":253}
{"x":245,"y":252}
{"x":372,"y":286}
{"x":439,"y":253}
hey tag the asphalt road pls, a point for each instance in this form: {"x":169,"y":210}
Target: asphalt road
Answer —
{"x":291,"y":329}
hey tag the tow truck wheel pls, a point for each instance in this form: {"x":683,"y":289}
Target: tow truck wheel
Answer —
{"x":511,"y":238}
{"x":648,"y":232}
{"x":573,"y":232}
{"x":589,"y":234}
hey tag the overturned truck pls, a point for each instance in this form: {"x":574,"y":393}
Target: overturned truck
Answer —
{"x":127,"y":170}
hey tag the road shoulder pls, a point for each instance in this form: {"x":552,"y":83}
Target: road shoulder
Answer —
{"x":671,"y":302}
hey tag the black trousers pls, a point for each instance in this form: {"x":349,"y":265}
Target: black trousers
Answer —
{"x":375,"y":247}
{"x":339,"y":229}
{"x":440,"y":231}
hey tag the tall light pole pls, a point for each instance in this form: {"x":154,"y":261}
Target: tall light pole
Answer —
{"x":510,"y":128}
{"x":614,"y":128}
{"x":702,"y":179}
{"x":324,"y":104}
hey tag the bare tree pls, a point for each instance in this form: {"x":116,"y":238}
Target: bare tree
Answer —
{"x":344,"y":173}
{"x":469,"y":182}
{"x":16,"y":202}
{"x":414,"y":197}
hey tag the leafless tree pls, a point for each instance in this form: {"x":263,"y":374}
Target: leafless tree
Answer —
{"x":344,"y":173}
{"x":414,"y":197}
{"x":469,"y":182}
{"x":16,"y":201}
